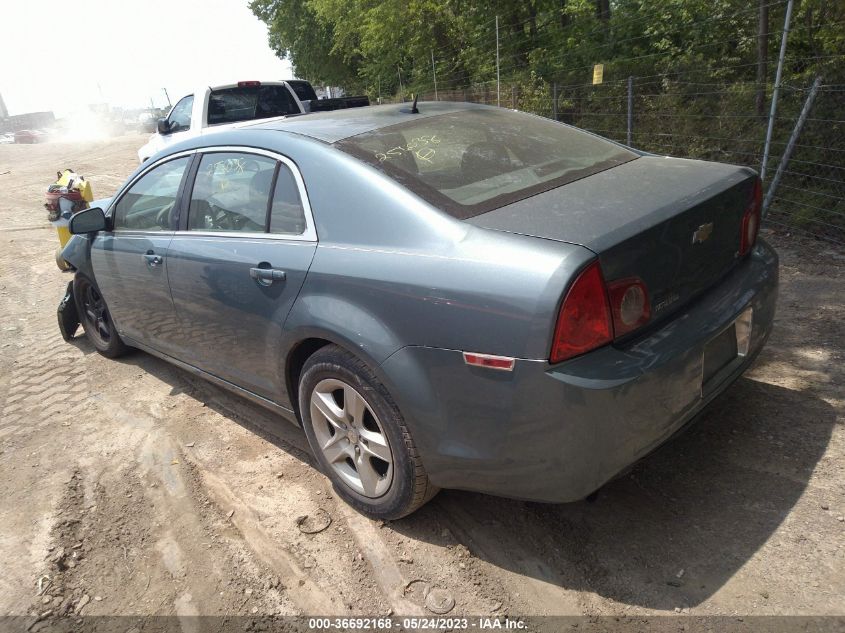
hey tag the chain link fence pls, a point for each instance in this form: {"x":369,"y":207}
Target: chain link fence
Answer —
{"x":717,"y":109}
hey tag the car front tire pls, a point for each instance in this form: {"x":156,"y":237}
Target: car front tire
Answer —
{"x":96,"y":319}
{"x":359,"y":437}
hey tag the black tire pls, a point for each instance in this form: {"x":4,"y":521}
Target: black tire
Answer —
{"x":95,"y":318}
{"x":409,"y":487}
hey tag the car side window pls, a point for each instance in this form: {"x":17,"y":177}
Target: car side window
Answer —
{"x":150,"y":203}
{"x":231,"y":193}
{"x":286,"y":213}
{"x":180,"y":117}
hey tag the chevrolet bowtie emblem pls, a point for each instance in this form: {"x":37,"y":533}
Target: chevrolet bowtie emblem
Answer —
{"x":702,"y":233}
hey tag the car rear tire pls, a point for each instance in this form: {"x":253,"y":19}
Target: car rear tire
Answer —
{"x":359,"y":437}
{"x":96,"y":319}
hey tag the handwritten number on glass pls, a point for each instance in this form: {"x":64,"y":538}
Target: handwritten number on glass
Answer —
{"x":419,"y":147}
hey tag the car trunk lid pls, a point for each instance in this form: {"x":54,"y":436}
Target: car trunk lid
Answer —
{"x":674,"y":223}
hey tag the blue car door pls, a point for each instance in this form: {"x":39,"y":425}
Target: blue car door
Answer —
{"x":237,"y":264}
{"x":130,"y":261}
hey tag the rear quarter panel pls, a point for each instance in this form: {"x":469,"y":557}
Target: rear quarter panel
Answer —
{"x":494,"y":296}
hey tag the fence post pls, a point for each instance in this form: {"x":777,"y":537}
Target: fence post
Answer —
{"x":787,"y":153}
{"x":630,"y":111}
{"x":498,"y":87}
{"x":513,"y":96}
{"x":434,"y":72}
{"x":554,"y":101}
{"x":776,"y":91}
{"x":401,"y":89}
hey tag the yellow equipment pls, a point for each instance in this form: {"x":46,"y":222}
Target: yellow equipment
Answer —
{"x":70,"y":194}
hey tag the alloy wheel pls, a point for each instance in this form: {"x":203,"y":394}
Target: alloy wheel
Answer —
{"x":96,"y":313}
{"x":351,"y":438}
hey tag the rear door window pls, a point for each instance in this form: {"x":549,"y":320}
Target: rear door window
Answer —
{"x":231,"y":193}
{"x":286,"y":214}
{"x":245,"y":103}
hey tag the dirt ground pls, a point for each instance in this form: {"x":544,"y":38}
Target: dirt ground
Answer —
{"x":131,"y":487}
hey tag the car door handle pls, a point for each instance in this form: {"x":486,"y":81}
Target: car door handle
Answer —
{"x":267,"y":274}
{"x":152,"y":259}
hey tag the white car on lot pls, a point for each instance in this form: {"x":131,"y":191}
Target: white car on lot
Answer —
{"x":212,"y":108}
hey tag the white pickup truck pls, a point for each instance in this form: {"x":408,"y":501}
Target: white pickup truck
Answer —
{"x":210,"y":109}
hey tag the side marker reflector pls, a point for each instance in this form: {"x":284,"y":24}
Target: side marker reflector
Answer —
{"x":504,"y":363}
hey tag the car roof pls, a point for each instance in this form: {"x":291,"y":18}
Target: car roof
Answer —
{"x":337,"y":125}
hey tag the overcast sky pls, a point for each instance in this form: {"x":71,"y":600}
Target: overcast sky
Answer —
{"x":60,"y":56}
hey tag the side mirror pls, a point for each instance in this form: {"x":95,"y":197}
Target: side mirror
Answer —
{"x":88,"y":221}
{"x":163,"y":127}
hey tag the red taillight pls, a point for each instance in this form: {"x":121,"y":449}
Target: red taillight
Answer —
{"x":751,"y":219}
{"x":584,"y":321}
{"x":248,"y":84}
{"x":629,"y":305}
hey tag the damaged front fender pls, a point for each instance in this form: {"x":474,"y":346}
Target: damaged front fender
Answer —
{"x":67,"y":314}
{"x":77,"y":253}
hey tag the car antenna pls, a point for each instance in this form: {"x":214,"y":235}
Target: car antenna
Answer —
{"x":414,"y":105}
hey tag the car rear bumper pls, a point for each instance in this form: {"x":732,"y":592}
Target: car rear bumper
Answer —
{"x":557,"y":433}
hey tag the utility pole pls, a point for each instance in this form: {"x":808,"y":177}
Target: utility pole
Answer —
{"x":498,"y":85}
{"x":434,"y":73}
{"x":168,"y":97}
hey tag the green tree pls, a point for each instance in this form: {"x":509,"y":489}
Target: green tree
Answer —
{"x":295,"y":32}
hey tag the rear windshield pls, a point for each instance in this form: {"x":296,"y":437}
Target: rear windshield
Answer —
{"x":246,"y":103}
{"x":471,"y":162}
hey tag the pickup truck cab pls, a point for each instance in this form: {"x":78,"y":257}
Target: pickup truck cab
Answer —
{"x":211,"y":109}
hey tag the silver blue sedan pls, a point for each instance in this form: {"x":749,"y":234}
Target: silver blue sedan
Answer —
{"x":448,"y":296}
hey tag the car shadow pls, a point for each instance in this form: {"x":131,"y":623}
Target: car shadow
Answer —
{"x":672,"y":531}
{"x":267,"y":425}
{"x":669,"y":533}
